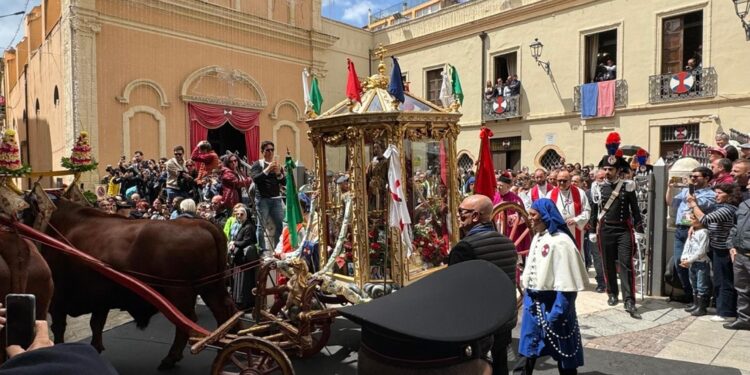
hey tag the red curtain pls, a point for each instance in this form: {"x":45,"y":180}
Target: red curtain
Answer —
{"x":207,"y":116}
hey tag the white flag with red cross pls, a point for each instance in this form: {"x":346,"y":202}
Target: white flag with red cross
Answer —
{"x":399,"y":212}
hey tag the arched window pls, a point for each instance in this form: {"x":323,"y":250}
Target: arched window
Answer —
{"x":56,"y":97}
{"x":36,"y":107}
{"x":550,"y":160}
{"x":465,"y":162}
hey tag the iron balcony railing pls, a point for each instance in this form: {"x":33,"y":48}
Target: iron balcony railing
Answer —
{"x":397,"y":8}
{"x":621,"y":95}
{"x":739,"y":136}
{"x":508,"y":107}
{"x":701,"y":83}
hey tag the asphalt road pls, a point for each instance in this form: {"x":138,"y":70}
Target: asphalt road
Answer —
{"x":136,"y":352}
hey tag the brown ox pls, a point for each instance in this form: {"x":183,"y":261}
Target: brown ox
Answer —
{"x":23,"y":270}
{"x":183,"y":249}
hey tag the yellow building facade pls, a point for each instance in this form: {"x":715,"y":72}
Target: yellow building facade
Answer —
{"x":649,"y":41}
{"x":127,"y":72}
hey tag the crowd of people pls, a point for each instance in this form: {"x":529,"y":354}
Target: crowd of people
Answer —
{"x":245,"y":203}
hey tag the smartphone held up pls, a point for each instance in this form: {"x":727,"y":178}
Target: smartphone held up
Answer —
{"x":20,"y":319}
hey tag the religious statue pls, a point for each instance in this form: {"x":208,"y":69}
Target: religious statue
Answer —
{"x":377,"y":177}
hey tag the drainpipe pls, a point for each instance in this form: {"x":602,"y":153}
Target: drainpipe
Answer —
{"x":483,"y":37}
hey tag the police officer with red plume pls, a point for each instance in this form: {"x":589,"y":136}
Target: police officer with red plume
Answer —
{"x":615,"y":217}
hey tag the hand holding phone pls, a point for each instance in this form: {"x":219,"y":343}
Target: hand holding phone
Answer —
{"x":691,"y":189}
{"x":20,"y":319}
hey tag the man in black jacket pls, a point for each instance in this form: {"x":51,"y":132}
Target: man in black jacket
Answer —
{"x":482,"y":241}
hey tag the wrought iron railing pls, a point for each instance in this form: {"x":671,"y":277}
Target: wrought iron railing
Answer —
{"x":701,"y":83}
{"x":697,"y":151}
{"x":621,"y":95}
{"x":397,"y":8}
{"x":509,"y":107}
{"x":739,"y":136}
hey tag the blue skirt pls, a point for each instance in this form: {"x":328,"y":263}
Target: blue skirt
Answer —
{"x":549,"y":326}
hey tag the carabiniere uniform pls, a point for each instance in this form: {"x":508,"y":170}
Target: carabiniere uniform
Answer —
{"x":615,"y":232}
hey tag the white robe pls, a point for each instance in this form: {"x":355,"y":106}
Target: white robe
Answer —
{"x":567,"y":210}
{"x":554,"y":263}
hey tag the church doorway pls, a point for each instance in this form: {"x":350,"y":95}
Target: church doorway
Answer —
{"x":227,"y":138}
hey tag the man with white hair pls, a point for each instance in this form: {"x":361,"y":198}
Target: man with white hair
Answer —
{"x":188,"y":209}
{"x":573,"y":205}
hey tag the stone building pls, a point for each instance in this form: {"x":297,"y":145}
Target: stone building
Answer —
{"x":131,"y":73}
{"x":650,"y":42}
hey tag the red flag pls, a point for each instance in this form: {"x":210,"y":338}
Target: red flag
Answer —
{"x":485,"y":182}
{"x":353,"y":88}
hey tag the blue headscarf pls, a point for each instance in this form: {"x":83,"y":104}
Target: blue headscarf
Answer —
{"x":551,"y":216}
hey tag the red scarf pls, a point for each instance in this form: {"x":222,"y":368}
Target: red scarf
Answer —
{"x":576,"y":209}
{"x":535,"y":192}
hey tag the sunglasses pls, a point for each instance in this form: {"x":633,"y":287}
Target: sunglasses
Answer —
{"x":464,"y":211}
{"x":562,"y":181}
{"x":177,"y":154}
{"x":696,"y":176}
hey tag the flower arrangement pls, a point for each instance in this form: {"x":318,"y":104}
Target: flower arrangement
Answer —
{"x":376,"y":249}
{"x":428,"y":245}
{"x":80,"y":159}
{"x":10,"y":156}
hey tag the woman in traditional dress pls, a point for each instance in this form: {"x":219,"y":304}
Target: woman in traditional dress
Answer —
{"x":553,"y":275}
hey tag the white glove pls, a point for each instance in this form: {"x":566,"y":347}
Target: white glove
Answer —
{"x":592,"y":237}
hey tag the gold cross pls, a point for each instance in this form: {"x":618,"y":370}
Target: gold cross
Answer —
{"x":380,"y":52}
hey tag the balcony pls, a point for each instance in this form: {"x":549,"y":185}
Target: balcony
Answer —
{"x":671,"y":87}
{"x":621,"y":95}
{"x":507,"y":109}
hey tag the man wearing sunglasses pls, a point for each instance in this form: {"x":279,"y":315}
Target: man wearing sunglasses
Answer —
{"x":268,"y":176}
{"x":176,"y":170}
{"x":573,"y":205}
{"x":705,"y":199}
{"x":480,"y":240}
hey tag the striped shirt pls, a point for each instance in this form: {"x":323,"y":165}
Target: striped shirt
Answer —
{"x":719,"y":222}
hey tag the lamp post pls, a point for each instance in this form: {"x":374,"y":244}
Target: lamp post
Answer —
{"x":536,"y":53}
{"x":741,"y":7}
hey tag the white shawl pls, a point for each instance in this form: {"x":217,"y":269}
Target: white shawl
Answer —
{"x":554,"y":263}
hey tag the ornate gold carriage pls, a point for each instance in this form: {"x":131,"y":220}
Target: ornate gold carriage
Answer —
{"x":357,"y":245}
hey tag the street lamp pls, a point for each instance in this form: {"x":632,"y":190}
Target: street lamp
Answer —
{"x":741,"y":7}
{"x":536,"y":53}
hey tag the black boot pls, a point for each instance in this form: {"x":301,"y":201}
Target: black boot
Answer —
{"x":694,"y":305}
{"x":702,"y":303}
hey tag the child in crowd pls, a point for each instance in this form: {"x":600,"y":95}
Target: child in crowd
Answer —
{"x":695,"y":257}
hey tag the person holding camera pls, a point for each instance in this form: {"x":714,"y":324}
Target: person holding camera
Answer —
{"x":44,"y":357}
{"x":268,"y":175}
{"x":705,"y":198}
{"x":204,"y":154}
{"x":176,"y":173}
{"x":232,"y":181}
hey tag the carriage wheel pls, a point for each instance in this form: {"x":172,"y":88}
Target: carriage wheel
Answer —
{"x":512,"y":220}
{"x":251,"y":356}
{"x":320,"y":332}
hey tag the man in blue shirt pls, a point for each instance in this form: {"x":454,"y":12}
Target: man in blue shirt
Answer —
{"x":706,"y":199}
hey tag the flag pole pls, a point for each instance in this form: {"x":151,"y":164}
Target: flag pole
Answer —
{"x":385,"y":259}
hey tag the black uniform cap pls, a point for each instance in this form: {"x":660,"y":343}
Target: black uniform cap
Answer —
{"x":446,"y":318}
{"x":614,"y":161}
